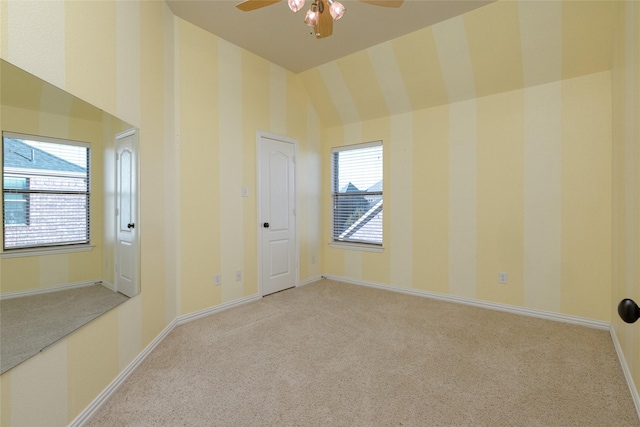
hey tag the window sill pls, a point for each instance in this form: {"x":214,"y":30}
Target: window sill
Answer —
{"x":19,"y":253}
{"x":357,"y":247}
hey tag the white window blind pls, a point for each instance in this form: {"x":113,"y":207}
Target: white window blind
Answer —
{"x":46,"y":192}
{"x":357,"y":193}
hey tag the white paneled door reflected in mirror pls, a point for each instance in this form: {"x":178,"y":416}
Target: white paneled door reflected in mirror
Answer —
{"x":65,"y":259}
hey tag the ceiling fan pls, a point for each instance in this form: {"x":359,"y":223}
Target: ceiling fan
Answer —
{"x":321,"y":14}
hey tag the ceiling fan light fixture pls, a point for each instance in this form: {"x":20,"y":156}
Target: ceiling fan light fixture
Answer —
{"x":296,"y":5}
{"x":313,"y":16}
{"x":336,"y":9}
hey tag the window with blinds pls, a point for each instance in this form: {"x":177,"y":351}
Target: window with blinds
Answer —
{"x":357,"y":193}
{"x":46,"y":192}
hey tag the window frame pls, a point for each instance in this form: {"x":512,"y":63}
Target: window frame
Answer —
{"x":335,"y":195}
{"x":49,"y":247}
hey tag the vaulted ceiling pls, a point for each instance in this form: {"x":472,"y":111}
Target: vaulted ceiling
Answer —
{"x":497,"y":48}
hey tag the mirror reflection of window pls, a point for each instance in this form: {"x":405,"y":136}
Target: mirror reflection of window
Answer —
{"x":46,"y":192}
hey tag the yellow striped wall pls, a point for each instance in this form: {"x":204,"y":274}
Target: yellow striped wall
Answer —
{"x":225,"y":94}
{"x":497,"y":141}
{"x":503,"y":46}
{"x":626,"y":177}
{"x":479,"y":186}
{"x":99,"y":52}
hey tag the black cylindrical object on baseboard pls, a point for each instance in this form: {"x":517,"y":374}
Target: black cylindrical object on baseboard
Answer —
{"x":628,"y":310}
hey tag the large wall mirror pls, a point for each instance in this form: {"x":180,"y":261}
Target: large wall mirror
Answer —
{"x":48,"y":290}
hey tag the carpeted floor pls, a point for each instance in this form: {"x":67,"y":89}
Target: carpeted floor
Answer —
{"x":333,"y":354}
{"x":30,"y":324}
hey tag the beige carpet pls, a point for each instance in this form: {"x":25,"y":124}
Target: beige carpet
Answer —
{"x":30,"y":324}
{"x":333,"y":354}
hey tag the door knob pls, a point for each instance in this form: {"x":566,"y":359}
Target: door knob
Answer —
{"x":265,"y":225}
{"x":131,"y":225}
{"x":628,"y":310}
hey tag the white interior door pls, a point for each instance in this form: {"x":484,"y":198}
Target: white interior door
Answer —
{"x":126,"y":247}
{"x":277,"y":214}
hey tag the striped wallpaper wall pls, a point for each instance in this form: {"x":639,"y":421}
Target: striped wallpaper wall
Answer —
{"x":503,"y":46}
{"x":100,"y":51}
{"x":226,"y":95}
{"x":485,"y":190}
{"x":626,"y":177}
{"x":497,"y":133}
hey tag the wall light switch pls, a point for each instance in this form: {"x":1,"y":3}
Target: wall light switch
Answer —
{"x":245,"y":191}
{"x":217,"y":279}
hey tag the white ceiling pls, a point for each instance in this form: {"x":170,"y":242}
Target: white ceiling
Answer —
{"x":280,"y":36}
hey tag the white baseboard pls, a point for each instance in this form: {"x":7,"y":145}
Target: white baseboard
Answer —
{"x":309,"y":281}
{"x":626,"y":370}
{"x":50,"y":289}
{"x":213,"y":310}
{"x":93,"y":407}
{"x":558,"y":317}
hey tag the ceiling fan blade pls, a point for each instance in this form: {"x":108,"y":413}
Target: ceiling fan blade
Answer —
{"x":384,"y":3}
{"x":249,"y":5}
{"x":325,"y":24}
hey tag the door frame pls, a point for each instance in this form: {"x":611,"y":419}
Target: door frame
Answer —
{"x":285,"y":139}
{"x":136,"y":146}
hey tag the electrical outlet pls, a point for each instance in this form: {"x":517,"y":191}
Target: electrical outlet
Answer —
{"x":502,"y":277}
{"x":217,"y":279}
{"x":313,"y":259}
{"x":238,"y":276}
